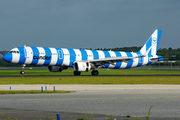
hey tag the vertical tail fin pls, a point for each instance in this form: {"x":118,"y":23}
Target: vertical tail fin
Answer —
{"x":152,"y":43}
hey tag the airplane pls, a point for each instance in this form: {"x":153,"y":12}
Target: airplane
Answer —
{"x":82,"y":60}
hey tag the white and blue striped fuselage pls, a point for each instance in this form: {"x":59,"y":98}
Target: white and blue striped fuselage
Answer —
{"x":66,"y":57}
{"x":81,"y":60}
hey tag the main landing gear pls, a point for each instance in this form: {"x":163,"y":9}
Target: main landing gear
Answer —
{"x":94,"y":72}
{"x":22,"y":72}
{"x":77,"y":73}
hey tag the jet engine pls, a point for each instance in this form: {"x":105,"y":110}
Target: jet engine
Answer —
{"x":56,"y":68}
{"x":82,"y":66}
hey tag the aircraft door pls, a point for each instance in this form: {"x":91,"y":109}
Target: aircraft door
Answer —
{"x":60,"y":57}
{"x":60,"y":54}
{"x":26,"y":52}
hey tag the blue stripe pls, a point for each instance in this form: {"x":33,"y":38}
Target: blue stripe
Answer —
{"x":130,"y":62}
{"x":95,"y":54}
{"x":107,"y":55}
{"x":49,"y":55}
{"x":72,"y":57}
{"x":35,"y":55}
{"x":118,"y":64}
{"x":22,"y":58}
{"x":140,"y":60}
{"x":84,"y":55}
{"x":158,"y":38}
{"x":59,"y":55}
{"x":149,"y":44}
{"x":149,"y":55}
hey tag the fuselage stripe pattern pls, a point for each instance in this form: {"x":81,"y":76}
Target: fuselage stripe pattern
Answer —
{"x":107,"y":55}
{"x":35,"y":56}
{"x":60,"y":57}
{"x":118,"y":64}
{"x":47,"y":56}
{"x":22,"y":56}
{"x":84,"y":55}
{"x":140,"y":60}
{"x":130,"y":62}
{"x":95,"y":54}
{"x":72,"y":57}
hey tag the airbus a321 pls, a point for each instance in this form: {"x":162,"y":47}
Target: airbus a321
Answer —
{"x":58,"y":59}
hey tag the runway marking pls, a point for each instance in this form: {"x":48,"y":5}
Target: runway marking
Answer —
{"x":151,"y":97}
{"x":6,"y":100}
{"x":89,"y":91}
{"x":67,"y":99}
{"x":166,"y":97}
{"x":160,"y":90}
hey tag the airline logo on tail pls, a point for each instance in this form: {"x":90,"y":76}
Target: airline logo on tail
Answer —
{"x":58,"y":59}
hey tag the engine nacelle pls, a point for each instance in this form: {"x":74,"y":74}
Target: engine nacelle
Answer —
{"x":56,"y":68}
{"x":82,"y":66}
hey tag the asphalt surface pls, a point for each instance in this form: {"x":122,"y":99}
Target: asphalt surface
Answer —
{"x":96,"y":100}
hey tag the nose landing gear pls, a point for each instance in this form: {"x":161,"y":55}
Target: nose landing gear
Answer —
{"x":22,"y":72}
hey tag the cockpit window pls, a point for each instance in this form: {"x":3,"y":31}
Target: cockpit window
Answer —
{"x":14,"y":52}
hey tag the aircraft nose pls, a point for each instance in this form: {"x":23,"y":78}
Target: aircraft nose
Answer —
{"x":7,"y":57}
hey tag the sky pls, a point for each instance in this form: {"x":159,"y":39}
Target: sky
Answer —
{"x":88,"y":23}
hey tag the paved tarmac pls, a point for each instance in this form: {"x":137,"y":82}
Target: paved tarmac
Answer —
{"x":117,"y":100}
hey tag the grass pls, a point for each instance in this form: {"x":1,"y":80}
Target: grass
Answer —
{"x":101,"y":72}
{"x":91,"y":80}
{"x":31,"y":91}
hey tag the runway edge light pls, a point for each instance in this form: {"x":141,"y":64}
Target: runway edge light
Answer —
{"x":54,"y":88}
{"x":58,"y":116}
{"x":41,"y":89}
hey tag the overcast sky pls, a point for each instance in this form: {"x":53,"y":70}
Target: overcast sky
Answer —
{"x":88,"y":23}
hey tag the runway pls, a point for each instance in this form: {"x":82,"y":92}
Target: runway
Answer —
{"x":117,"y":100}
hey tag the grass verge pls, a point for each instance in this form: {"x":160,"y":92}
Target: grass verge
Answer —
{"x":101,"y":72}
{"x":31,"y":91}
{"x":91,"y":80}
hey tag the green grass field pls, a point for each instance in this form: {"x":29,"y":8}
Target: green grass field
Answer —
{"x":101,"y":72}
{"x":91,"y":80}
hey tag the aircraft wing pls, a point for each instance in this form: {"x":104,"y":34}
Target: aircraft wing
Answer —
{"x":100,"y":62}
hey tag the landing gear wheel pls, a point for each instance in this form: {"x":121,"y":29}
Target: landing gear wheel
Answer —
{"x":22,"y":72}
{"x":95,"y":72}
{"x":77,"y":73}
{"x":23,"y":66}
